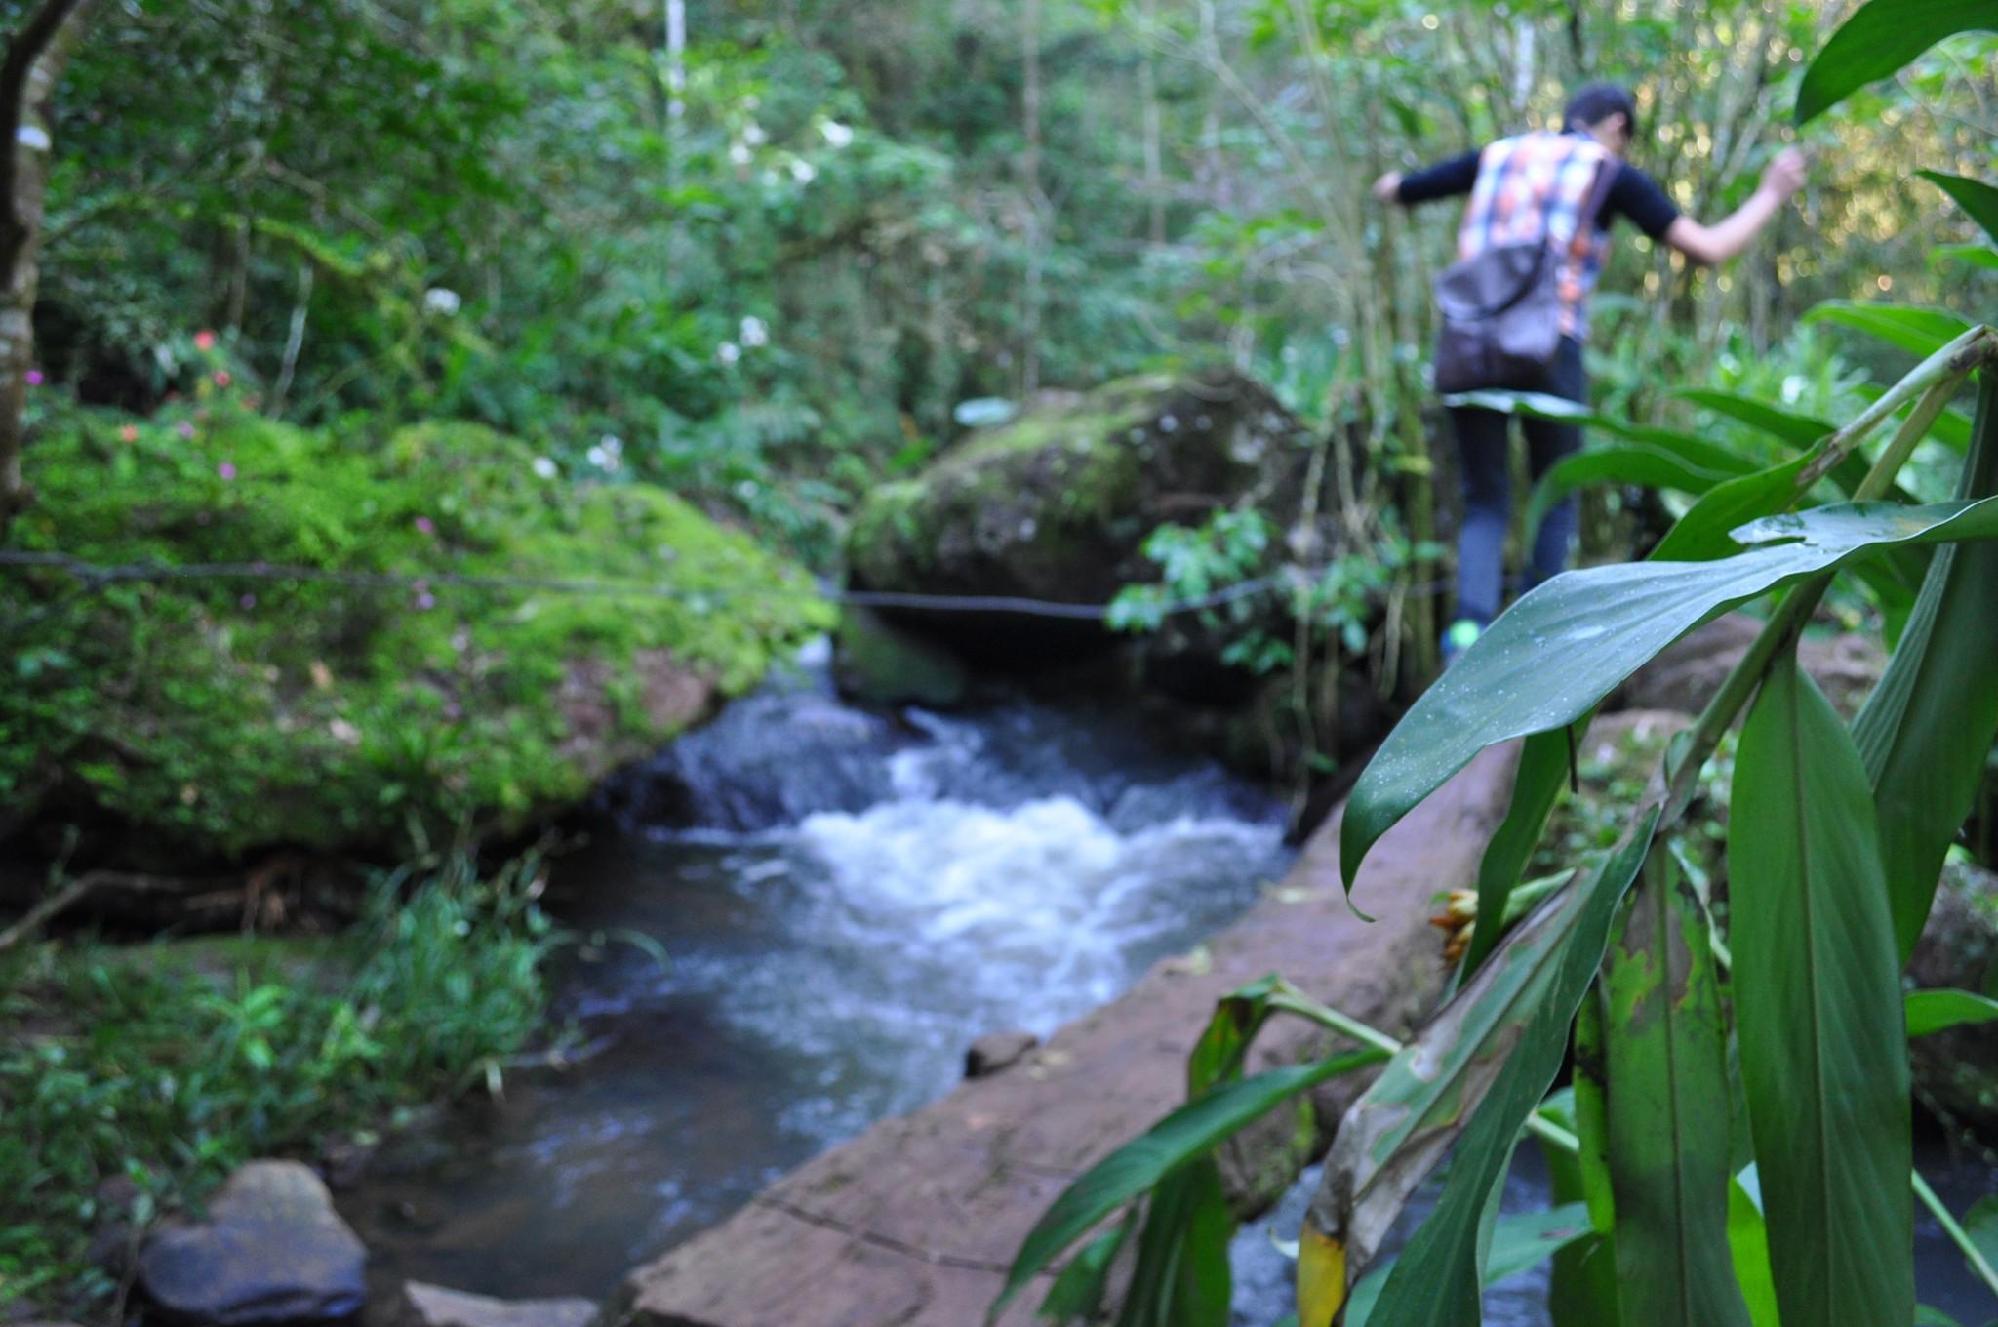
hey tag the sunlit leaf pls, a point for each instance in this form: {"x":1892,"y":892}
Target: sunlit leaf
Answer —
{"x":1748,"y":1243}
{"x":1942,"y":1008}
{"x":1915,"y":330}
{"x":1824,"y":1059}
{"x":1435,"y":1281}
{"x":1605,"y":623}
{"x":1975,"y":197}
{"x":1877,"y":40}
{"x":1667,"y":1108}
{"x":1977,"y":255}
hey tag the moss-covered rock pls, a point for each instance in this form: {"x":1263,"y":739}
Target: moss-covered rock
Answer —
{"x":1057,"y":504}
{"x":439,"y":681}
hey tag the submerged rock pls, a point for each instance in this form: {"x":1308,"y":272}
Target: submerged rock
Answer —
{"x":436,"y":1306}
{"x":272,"y":1251}
{"x":1057,"y":504}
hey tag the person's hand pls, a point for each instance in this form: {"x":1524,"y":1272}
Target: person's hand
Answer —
{"x":1785,"y":175}
{"x":1387,"y":186}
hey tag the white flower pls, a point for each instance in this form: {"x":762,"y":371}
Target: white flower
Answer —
{"x":755,"y":332}
{"x":441,"y":301}
{"x":835,"y":133}
{"x":803,"y":172}
{"x":544,"y":467}
{"x":754,"y":136}
{"x":728,"y":352}
{"x":739,"y":153}
{"x":612,"y":444}
{"x":598,"y":458}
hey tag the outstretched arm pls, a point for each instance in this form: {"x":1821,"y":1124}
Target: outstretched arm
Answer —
{"x":1726,"y":238}
{"x":1455,"y":176}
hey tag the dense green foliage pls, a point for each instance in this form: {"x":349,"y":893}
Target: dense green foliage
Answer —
{"x":1740,"y":1119}
{"x":228,"y":713}
{"x":163,"y":1066}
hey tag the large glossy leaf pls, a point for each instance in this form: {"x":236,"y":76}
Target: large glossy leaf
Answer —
{"x":1927,"y":728}
{"x":1690,"y":448}
{"x":1705,"y":532}
{"x":1917,"y":331}
{"x":1667,"y":1103}
{"x":1543,"y":767}
{"x":1435,"y":1281}
{"x":1393,"y":1136}
{"x":1824,"y":1060}
{"x":1600,"y":625}
{"x":1641,"y":463}
{"x":1877,"y":40}
{"x":1797,"y":430}
{"x":1941,"y":1008}
{"x":1975,"y":197}
{"x":1187,"y":1134}
{"x":1977,"y":255}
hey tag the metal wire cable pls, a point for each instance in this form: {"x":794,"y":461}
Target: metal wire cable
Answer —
{"x":91,"y":576}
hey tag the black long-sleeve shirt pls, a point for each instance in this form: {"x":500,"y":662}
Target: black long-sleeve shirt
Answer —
{"x":1632,"y":194}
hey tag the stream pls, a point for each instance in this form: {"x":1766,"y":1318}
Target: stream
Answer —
{"x":845,"y":899}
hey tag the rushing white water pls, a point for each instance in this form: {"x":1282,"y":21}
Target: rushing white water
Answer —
{"x":846,"y":899}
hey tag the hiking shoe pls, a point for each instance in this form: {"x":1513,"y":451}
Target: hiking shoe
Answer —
{"x":1462,"y":634}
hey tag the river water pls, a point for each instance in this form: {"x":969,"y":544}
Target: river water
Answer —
{"x":845,"y":900}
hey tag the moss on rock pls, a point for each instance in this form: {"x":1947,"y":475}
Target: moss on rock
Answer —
{"x":221,"y":715}
{"x":1057,"y":504}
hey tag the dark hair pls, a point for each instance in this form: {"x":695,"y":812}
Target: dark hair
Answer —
{"x":1596,"y":103}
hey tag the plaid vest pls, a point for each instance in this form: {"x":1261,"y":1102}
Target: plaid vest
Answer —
{"x":1532,"y":188}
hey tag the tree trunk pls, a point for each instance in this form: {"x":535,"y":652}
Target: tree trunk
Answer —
{"x":1148,"y":93}
{"x":1030,"y":185}
{"x":28,"y":76}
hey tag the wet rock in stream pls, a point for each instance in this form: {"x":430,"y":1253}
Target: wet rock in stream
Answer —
{"x":272,"y":1251}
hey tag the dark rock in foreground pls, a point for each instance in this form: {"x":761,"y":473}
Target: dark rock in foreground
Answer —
{"x":273,"y":1251}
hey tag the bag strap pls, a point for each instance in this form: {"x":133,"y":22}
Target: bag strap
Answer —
{"x":1592,"y":204}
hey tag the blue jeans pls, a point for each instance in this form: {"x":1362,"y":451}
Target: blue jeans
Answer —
{"x":1482,"y":439}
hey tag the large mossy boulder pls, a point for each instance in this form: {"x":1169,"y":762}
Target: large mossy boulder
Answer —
{"x":1057,"y":504}
{"x":428,"y":675}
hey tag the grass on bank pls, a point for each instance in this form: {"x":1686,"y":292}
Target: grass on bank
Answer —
{"x":171,"y":1063}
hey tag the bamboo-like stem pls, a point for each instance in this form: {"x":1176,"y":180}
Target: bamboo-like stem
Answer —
{"x":1958,"y":1235}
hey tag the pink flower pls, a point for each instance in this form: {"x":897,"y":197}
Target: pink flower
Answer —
{"x":424,"y":525}
{"x":129,"y":433}
{"x":221,"y":377}
{"x":184,"y":428}
{"x":227,"y":470}
{"x":204,"y":340}
{"x":425,"y":600}
{"x":248,"y":602}
{"x":33,"y":377}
